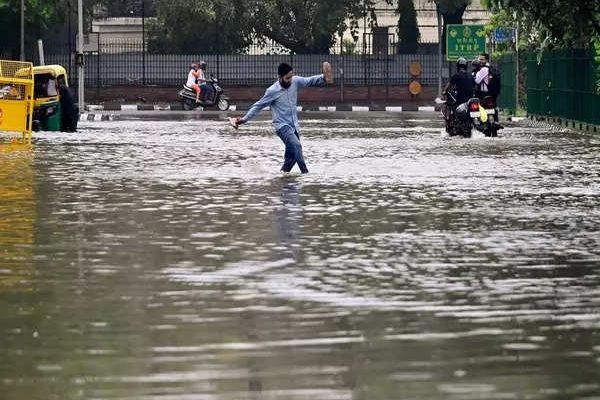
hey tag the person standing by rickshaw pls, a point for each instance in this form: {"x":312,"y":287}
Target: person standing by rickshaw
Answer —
{"x":69,"y":113}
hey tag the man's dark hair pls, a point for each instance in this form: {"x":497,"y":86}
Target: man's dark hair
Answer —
{"x":283,"y":69}
{"x":486,"y":56}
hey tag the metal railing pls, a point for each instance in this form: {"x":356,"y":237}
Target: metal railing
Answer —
{"x":373,"y":62}
{"x":507,"y":99}
{"x":563,"y":85}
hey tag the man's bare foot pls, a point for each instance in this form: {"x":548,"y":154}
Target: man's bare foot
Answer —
{"x":234,"y":122}
{"x":327,"y":73}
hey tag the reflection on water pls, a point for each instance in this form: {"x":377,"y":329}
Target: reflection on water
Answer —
{"x":288,"y":215}
{"x":17,"y":216}
{"x":170,"y":260}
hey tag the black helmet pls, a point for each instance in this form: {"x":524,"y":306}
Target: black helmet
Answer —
{"x":202,"y":64}
{"x":476,"y":64}
{"x":461,"y":63}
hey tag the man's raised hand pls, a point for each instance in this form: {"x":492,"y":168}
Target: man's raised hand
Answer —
{"x":327,"y":73}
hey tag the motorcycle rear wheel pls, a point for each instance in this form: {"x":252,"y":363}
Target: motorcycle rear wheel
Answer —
{"x":223,"y":104}
{"x":188,"y":105}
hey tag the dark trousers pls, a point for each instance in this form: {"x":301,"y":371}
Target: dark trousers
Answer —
{"x":293,"y":150}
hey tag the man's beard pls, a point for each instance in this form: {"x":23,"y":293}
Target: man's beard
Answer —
{"x":285,"y":84}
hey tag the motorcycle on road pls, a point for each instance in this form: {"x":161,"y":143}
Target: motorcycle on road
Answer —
{"x":481,"y":115}
{"x":217,"y":99}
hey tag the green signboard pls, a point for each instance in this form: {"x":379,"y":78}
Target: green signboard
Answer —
{"x":466,"y":41}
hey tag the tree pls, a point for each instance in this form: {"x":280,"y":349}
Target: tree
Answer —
{"x":452,"y":12}
{"x":41,"y":17}
{"x":308,"y":26}
{"x":408,"y":29}
{"x":203,"y":26}
{"x":561,"y":23}
{"x":47,"y":20}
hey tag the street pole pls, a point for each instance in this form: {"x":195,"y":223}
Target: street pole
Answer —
{"x":41,"y":52}
{"x":70,"y":17}
{"x":517,"y":68}
{"x":439,"y":26}
{"x":22,"y":53}
{"x":79,"y":59}
{"x":143,"y":44}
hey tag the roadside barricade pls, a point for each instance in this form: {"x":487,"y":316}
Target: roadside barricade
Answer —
{"x":16,"y":104}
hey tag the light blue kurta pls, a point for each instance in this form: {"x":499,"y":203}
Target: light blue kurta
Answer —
{"x":283,"y":102}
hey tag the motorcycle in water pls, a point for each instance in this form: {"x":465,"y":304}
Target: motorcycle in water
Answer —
{"x":479,"y":114}
{"x":217,"y":99}
{"x":491,"y":126}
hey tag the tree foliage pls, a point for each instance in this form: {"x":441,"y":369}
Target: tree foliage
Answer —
{"x":202,"y":26}
{"x":41,"y":17}
{"x":559,"y":23}
{"x":49,"y":20}
{"x":308,"y":26}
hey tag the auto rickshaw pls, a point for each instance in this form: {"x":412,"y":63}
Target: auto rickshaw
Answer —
{"x":54,"y":106}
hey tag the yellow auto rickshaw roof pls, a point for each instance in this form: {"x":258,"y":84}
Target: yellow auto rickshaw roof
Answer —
{"x":54,"y":69}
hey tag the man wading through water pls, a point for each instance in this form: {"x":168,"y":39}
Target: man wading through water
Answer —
{"x":282,"y":97}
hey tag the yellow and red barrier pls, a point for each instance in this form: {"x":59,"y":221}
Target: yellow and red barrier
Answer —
{"x":16,"y":104}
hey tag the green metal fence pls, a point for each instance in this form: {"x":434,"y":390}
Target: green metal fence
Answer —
{"x":507,"y":65}
{"x":563,"y":85}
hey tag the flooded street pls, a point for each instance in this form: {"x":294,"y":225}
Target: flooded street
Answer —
{"x":169,"y":259}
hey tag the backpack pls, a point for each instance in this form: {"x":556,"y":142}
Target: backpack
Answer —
{"x":494,"y":82}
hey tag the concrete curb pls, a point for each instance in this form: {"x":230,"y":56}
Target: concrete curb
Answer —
{"x":559,"y":123}
{"x":96,"y":117}
{"x":233,"y":107}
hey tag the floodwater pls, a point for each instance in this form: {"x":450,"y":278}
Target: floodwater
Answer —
{"x":168,"y":259}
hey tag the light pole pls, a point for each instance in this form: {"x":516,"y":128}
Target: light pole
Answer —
{"x":79,"y":58}
{"x":440,"y":53}
{"x":70,"y":35}
{"x":517,"y":67}
{"x":143,"y":43}
{"x":22,"y":53}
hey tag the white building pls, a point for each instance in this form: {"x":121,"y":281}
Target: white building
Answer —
{"x":124,"y":33}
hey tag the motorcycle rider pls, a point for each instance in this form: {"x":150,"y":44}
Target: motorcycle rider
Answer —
{"x":462,"y":82}
{"x":482,"y":77}
{"x":490,"y":84}
{"x":205,"y":88}
{"x":192,"y":80}
{"x":475,"y":67}
{"x":493,"y":76}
